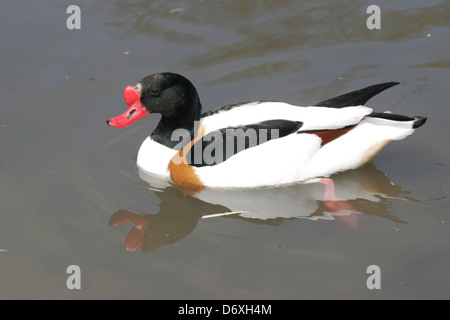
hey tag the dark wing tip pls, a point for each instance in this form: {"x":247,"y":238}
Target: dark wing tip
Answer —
{"x":358,"y":97}
{"x":419,"y":121}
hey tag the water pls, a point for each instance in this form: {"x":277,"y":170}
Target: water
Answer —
{"x":71,"y":193}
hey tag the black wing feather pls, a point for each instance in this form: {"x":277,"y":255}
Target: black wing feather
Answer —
{"x":218,"y":146}
{"x":356,"y":98}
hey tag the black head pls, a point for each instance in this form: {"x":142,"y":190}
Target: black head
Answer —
{"x":171,"y":95}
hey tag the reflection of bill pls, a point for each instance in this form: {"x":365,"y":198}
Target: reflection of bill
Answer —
{"x":345,"y":196}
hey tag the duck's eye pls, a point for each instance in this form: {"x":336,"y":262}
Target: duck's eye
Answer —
{"x":155,"y":92}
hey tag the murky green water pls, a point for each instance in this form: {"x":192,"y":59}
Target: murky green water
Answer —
{"x":66,"y":178}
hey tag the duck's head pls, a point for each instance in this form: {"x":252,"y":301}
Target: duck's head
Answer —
{"x":170,"y":94}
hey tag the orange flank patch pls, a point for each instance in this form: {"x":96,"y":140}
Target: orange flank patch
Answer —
{"x":183,"y":175}
{"x":373,"y":150}
{"x":330,"y":135}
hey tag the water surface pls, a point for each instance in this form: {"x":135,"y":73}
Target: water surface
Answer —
{"x":72,"y":194}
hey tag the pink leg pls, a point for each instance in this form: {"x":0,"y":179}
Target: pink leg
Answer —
{"x":338,"y":205}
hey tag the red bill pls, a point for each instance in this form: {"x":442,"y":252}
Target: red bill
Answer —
{"x":133,"y":113}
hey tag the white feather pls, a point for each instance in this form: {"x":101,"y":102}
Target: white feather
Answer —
{"x":154,"y":158}
{"x":293,"y":158}
{"x":312,"y":117}
{"x":356,"y":147}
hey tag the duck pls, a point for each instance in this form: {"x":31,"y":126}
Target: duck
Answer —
{"x":256,"y":144}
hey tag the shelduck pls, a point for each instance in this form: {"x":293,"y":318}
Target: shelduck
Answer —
{"x":259,"y":143}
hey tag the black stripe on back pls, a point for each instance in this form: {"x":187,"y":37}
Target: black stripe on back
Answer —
{"x":218,"y":146}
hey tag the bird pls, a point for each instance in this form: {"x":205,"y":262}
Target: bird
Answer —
{"x":256,"y":144}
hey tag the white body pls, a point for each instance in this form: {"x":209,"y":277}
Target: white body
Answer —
{"x":293,"y":158}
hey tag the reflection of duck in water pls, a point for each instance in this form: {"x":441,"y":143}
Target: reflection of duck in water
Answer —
{"x":365,"y":190}
{"x":256,"y":144}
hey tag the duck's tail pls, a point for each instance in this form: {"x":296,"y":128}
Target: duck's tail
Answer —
{"x":360,"y":97}
{"x":416,"y":121}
